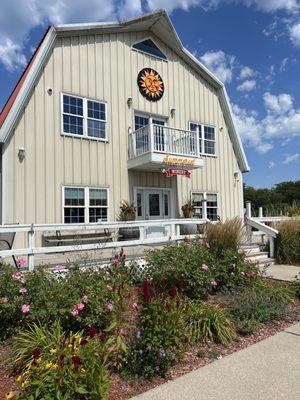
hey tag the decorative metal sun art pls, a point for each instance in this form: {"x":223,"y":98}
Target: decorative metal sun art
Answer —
{"x":150,"y":84}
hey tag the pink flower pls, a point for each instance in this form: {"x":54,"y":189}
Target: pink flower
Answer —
{"x":23,"y":290}
{"x":135,"y":306}
{"x":214,"y":283}
{"x":58,"y":268}
{"x":21,"y":261}
{"x":116,"y":261}
{"x":207,"y":245}
{"x":25,"y":308}
{"x":16,"y":275}
{"x":200,"y":241}
{"x":109,"y":306}
{"x":4,"y":300}
{"x":75,"y":312}
{"x":122,"y":331}
{"x":80,"y":306}
{"x":85,"y":298}
{"x":205,"y":267}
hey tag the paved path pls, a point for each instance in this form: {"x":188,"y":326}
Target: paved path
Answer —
{"x":281,"y":272}
{"x":268,"y":370}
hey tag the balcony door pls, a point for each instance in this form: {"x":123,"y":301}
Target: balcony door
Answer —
{"x":141,"y":120}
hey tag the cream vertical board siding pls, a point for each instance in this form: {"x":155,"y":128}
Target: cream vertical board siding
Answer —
{"x":104,"y":67}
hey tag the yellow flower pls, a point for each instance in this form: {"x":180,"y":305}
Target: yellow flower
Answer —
{"x":53,"y":351}
{"x":25,"y":383}
{"x":9,"y":395}
{"x":48,"y":365}
{"x":19,"y":378}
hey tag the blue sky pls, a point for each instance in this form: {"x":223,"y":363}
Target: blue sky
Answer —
{"x":253,"y":46}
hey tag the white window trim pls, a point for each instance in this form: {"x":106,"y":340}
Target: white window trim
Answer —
{"x":84,"y":117}
{"x":204,"y":209}
{"x":145,"y":52}
{"x":202,"y":137}
{"x":86,"y":202}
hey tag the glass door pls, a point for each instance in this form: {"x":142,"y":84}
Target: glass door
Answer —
{"x":157,"y":204}
{"x":141,"y":120}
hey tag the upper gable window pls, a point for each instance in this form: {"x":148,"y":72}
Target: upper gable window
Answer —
{"x":149,"y":47}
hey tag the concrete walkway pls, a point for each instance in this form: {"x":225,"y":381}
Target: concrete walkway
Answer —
{"x":268,"y":370}
{"x":281,"y":272}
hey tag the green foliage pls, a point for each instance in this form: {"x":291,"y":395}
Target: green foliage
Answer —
{"x":247,"y":326}
{"x":225,"y":235}
{"x":288,"y":241}
{"x":259,"y":303}
{"x":160,"y":337}
{"x":295,"y":287}
{"x":180,"y":265}
{"x":209,"y":323}
{"x":201,"y":353}
{"x":75,"y":368}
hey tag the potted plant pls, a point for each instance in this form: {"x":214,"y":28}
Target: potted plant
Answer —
{"x":188,"y":212}
{"x":128,"y":213}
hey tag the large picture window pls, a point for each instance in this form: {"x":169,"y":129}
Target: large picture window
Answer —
{"x":84,"y":117}
{"x":207,"y":138}
{"x":206,"y":205}
{"x":84,"y":204}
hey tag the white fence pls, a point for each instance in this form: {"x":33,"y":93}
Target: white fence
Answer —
{"x":168,"y":230}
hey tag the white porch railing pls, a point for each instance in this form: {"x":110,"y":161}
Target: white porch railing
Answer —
{"x":163,"y":139}
{"x":171,"y":232}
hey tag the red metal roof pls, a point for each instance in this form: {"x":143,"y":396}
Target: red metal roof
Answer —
{"x":8,"y":105}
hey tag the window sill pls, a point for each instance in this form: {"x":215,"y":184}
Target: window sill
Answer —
{"x":84,"y":137}
{"x":208,"y":155}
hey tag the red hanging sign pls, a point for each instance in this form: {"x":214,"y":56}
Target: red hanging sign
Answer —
{"x":177,"y":171}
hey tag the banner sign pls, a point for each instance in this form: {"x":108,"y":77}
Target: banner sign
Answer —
{"x":177,"y":171}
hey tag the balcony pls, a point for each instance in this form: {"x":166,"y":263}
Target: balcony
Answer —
{"x":156,"y":147}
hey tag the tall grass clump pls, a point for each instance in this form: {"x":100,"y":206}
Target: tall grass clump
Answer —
{"x":288,"y":241}
{"x":226,"y":235}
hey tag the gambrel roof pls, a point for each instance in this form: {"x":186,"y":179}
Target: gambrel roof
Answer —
{"x":158,"y":23}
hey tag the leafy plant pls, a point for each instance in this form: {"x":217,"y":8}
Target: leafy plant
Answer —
{"x":259,"y":303}
{"x":288,"y":241}
{"x":226,"y":235}
{"x":127,"y":211}
{"x":209,"y":323}
{"x":75,"y":368}
{"x":160,"y":336}
{"x":188,"y":209}
{"x":187,"y":265}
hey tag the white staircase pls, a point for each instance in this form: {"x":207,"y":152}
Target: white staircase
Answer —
{"x":254,"y":254}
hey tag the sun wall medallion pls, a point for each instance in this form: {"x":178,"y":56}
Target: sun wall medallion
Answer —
{"x":150,"y":84}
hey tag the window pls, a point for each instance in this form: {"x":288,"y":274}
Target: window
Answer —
{"x":207,"y":139}
{"x":206,"y":205}
{"x":84,"y":205}
{"x":149,"y":47}
{"x":84,"y":117}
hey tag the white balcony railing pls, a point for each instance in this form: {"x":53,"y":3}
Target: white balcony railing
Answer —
{"x":154,"y":138}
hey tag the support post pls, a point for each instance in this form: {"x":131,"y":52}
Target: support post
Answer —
{"x":260,"y":212}
{"x":204,"y":209}
{"x":151,"y":135}
{"x":248,"y":227}
{"x":31,"y":245}
{"x":272,"y":247}
{"x":142,"y":232}
{"x":248,"y":209}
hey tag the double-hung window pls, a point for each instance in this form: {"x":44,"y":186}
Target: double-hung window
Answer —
{"x":84,"y":117}
{"x":206,"y":205}
{"x":84,"y":204}
{"x":207,"y":138}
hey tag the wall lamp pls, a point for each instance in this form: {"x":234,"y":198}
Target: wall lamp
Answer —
{"x":129,"y":102}
{"x":236,"y":177}
{"x":21,"y":154}
{"x":173,"y":110}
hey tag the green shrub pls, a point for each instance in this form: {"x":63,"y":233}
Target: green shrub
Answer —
{"x":209,"y":323}
{"x":74,"y":368}
{"x":295,"y":287}
{"x":160,"y":336}
{"x":226,"y":235}
{"x":183,"y":265}
{"x":288,"y":241}
{"x":259,"y":303}
{"x":79,"y":298}
{"x":247,"y":327}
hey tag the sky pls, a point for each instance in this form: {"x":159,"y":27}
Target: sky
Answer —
{"x":252,"y":46}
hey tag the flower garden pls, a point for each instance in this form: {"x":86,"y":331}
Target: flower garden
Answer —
{"x":105,"y":333}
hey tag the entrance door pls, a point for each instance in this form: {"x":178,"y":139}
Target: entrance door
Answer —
{"x":157,"y":204}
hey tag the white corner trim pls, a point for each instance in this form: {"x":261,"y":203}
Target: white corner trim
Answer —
{"x":30,"y":80}
{"x":4,"y":185}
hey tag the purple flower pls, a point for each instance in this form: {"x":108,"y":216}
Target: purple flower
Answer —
{"x":25,"y":308}
{"x":138,"y":334}
{"x":205,"y":267}
{"x":109,"y":306}
{"x":23,"y":290}
{"x":161,"y":353}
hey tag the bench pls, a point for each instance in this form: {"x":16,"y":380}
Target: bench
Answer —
{"x":59,"y":238}
{"x":7,"y":241}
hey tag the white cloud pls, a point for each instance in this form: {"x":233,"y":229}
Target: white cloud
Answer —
{"x":278,"y":104}
{"x":11,"y":55}
{"x":247,"y":72}
{"x":291,"y":158}
{"x":282,"y":121}
{"x":247,"y":86}
{"x":283,"y":64}
{"x":130,"y":8}
{"x":220,"y":64}
{"x":295,"y":34}
{"x":272,"y":164}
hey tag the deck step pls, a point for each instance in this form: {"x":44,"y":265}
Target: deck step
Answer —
{"x":257,"y":255}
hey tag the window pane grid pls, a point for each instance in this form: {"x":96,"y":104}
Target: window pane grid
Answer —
{"x":211,"y":205}
{"x":207,"y":140}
